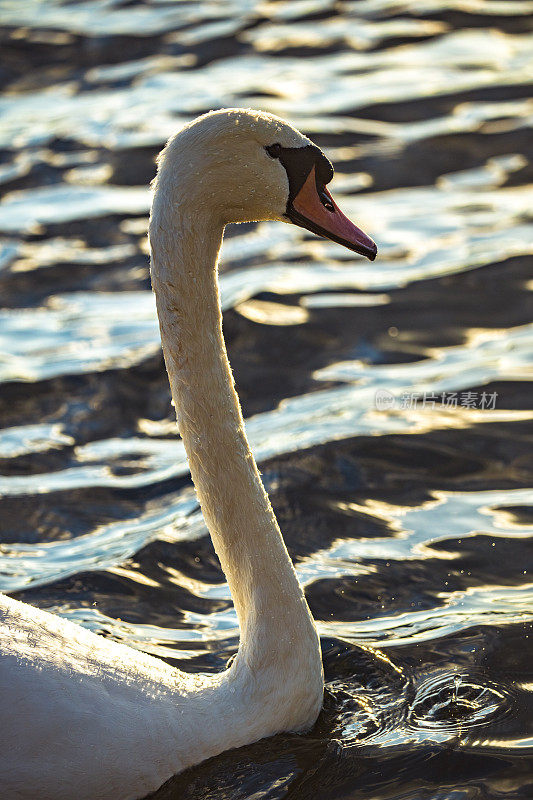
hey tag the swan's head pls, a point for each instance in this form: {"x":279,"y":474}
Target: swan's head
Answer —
{"x":241,"y":165}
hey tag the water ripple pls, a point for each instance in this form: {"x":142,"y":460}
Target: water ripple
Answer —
{"x":409,"y":525}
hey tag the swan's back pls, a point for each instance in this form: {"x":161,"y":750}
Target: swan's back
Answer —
{"x":72,"y":698}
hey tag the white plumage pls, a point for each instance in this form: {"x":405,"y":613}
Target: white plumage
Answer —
{"x":84,"y":717}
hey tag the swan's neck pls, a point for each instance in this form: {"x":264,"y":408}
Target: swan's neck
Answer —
{"x":273,"y":615}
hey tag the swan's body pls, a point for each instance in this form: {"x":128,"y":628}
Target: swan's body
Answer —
{"x":84,"y":717}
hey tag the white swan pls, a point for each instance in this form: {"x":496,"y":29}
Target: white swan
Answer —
{"x":82,"y":716}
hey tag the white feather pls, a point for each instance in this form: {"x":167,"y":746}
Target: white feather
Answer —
{"x":84,"y":717}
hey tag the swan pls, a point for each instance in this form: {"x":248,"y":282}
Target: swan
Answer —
{"x":83,"y":716}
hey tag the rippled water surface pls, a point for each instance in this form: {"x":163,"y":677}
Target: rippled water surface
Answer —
{"x":409,"y":522}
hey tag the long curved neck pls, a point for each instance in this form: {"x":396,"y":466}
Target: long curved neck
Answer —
{"x":268,"y":599}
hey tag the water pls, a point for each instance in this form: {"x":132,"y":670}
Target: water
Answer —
{"x":409,"y":523}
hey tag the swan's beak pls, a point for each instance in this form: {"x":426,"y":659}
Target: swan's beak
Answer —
{"x":324,"y":217}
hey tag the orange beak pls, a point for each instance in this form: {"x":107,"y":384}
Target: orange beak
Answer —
{"x":314,"y":208}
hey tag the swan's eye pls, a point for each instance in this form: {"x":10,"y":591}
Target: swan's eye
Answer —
{"x":273,"y":150}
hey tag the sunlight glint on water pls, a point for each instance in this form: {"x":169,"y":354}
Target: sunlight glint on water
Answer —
{"x":409,"y":523}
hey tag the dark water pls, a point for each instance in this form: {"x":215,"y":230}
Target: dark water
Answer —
{"x":409,"y":526}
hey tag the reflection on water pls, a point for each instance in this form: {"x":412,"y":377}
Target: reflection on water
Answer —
{"x":409,"y":526}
